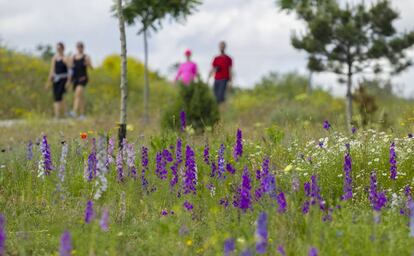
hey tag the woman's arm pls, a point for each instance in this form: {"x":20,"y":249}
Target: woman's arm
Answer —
{"x":213,"y":70}
{"x":68,"y":61}
{"x":88,"y":62}
{"x":51,"y":72}
{"x":179,"y":72}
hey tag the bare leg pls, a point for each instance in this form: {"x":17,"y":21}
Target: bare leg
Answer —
{"x":79,"y":103}
{"x":76,"y":102}
{"x":56,"y":109}
{"x":59,"y":109}
{"x":62,"y":108}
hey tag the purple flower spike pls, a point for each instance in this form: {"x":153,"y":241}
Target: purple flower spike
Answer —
{"x":305,"y":207}
{"x":307,"y":188}
{"x":207,"y":154}
{"x":189,"y":206}
{"x":265,"y":167}
{"x":281,"y":201}
{"x":378,"y":199}
{"x":130,"y":151}
{"x":104,"y":222}
{"x":238,"y":146}
{"x":221,"y":164}
{"x":177,"y":162}
{"x":224,"y":202}
{"x":47,"y":158}
{"x":261,"y":234}
{"x":213,"y":170}
{"x":230,"y":169}
{"x":183,"y":121}
{"x":90,"y":169}
{"x":229,"y":246}
{"x":179,"y":151}
{"x":393,"y":162}
{"x":120,"y":166}
{"x":144,"y":164}
{"x":65,"y":244}
{"x":89,"y":213}
{"x":190,"y":175}
{"x":110,"y":152}
{"x":2,"y":235}
{"x":313,"y":252}
{"x":243,"y":198}
{"x":167,"y":155}
{"x":267,"y":181}
{"x":161,"y":163}
{"x":281,"y":250}
{"x":410,"y":135}
{"x":348,"y":177}
{"x":326,"y":125}
{"x":312,"y":191}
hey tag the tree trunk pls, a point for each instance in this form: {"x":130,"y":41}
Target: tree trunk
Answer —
{"x":123,"y":86}
{"x":146,"y":79}
{"x":349,"y":102}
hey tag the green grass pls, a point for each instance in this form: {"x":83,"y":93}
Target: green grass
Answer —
{"x":279,"y":120}
{"x":37,"y":216}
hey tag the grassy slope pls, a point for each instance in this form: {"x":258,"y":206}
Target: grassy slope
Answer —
{"x":277,"y":121}
{"x":23,"y":78}
{"x":36,"y":215}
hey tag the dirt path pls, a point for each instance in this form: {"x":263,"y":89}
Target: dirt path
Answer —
{"x":13,"y":122}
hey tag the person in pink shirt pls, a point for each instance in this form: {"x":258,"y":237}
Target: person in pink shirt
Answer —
{"x":187,"y":72}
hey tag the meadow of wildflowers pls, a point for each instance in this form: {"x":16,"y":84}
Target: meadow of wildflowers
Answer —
{"x":211,"y":194}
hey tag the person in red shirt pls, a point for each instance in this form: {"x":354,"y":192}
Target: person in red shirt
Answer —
{"x":221,"y":68}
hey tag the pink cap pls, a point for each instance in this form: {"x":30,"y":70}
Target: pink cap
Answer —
{"x":188,"y":52}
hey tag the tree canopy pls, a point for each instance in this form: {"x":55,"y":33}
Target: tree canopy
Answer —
{"x":151,"y":13}
{"x":349,"y":39}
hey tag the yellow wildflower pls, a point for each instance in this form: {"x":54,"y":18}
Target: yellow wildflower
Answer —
{"x":288,"y":168}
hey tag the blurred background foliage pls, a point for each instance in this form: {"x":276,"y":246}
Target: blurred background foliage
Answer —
{"x":281,"y":99}
{"x":23,"y":78}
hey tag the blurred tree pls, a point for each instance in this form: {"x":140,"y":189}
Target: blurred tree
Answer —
{"x":149,"y":15}
{"x":46,"y":51}
{"x":123,"y":85}
{"x":350,"y":39}
{"x":382,"y":89}
{"x":367,"y":105}
{"x":199,"y":105}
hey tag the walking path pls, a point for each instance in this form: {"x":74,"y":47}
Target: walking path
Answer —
{"x":13,"y":122}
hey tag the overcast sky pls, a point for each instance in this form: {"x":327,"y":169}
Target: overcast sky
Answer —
{"x":258,"y":35}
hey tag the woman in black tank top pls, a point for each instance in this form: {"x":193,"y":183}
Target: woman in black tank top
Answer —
{"x":80,"y":64}
{"x":58,"y":77}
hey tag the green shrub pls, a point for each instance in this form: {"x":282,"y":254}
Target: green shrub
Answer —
{"x":199,"y":105}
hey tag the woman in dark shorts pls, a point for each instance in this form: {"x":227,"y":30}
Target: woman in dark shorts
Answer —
{"x":59,"y":77}
{"x":80,"y":64}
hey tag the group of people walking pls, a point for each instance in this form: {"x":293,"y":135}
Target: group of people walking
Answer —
{"x":221,"y":70}
{"x":66,"y":70}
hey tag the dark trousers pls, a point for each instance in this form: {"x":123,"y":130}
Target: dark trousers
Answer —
{"x":220,"y":89}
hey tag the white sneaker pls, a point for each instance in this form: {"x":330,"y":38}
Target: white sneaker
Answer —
{"x":72,"y":114}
